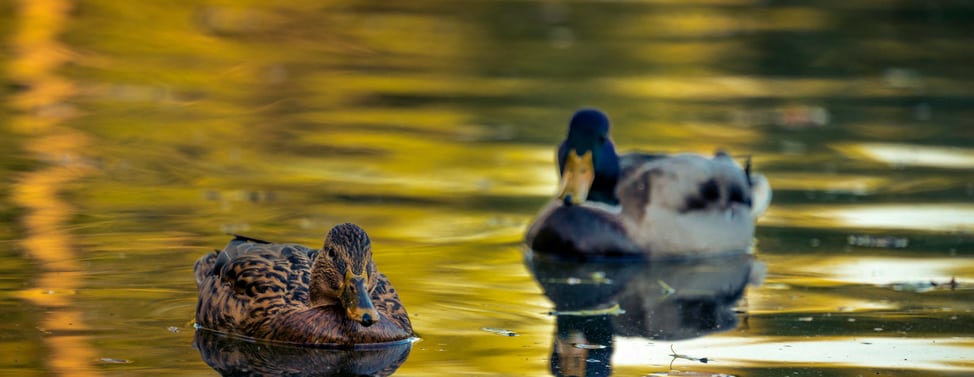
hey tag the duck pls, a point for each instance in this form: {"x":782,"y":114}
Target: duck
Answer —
{"x":289,"y":293}
{"x":649,"y":206}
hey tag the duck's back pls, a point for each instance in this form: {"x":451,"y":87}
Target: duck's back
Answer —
{"x":260,"y":290}
{"x":250,"y":281}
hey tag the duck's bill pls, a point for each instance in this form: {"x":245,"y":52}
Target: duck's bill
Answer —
{"x":357,"y":301}
{"x":577,"y":177}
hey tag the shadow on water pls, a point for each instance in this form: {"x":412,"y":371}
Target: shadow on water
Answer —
{"x":237,"y":357}
{"x":674,"y":300}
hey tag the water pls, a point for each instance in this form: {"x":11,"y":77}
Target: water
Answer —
{"x":136,"y":135}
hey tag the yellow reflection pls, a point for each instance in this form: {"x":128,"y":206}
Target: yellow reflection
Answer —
{"x":686,"y":52}
{"x":734,"y":87}
{"x":685,"y":24}
{"x":877,"y":351}
{"x":885,"y":271}
{"x":793,"y":19}
{"x":855,"y":184}
{"x":911,"y":154}
{"x":945,"y":217}
{"x":40,"y":109}
{"x":890,"y":274}
{"x":409,"y":168}
{"x":701,"y":22}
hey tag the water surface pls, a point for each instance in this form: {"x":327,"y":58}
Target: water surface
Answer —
{"x":136,"y":135}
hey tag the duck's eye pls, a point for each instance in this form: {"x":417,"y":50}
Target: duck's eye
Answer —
{"x":332,"y":253}
{"x":602,"y":139}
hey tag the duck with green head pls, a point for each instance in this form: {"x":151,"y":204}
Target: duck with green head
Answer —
{"x":298,"y":295}
{"x":645,"y":206}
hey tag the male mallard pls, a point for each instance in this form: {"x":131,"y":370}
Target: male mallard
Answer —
{"x":645,"y":205}
{"x":294,"y":294}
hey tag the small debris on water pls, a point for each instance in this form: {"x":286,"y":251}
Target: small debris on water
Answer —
{"x":882,"y":242}
{"x":109,"y":360}
{"x":612,"y":310}
{"x":173,"y":329}
{"x":501,"y":332}
{"x":924,"y":286}
{"x":667,"y":289}
{"x":917,"y":286}
{"x":685,"y":357}
{"x":589,"y":346}
{"x":600,"y":278}
{"x":597,"y":278}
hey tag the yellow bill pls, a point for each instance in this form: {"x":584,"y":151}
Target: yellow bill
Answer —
{"x":577,"y":177}
{"x":356,"y":299}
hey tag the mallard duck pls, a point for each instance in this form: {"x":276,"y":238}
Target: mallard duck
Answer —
{"x":646,"y":206}
{"x":299,"y":295}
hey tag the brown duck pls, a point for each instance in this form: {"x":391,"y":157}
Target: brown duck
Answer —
{"x":294,"y":294}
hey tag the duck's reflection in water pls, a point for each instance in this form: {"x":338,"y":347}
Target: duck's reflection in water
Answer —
{"x":655,"y":300}
{"x":236,"y":357}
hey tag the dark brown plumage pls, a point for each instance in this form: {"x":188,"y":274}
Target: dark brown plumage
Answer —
{"x":294,"y":294}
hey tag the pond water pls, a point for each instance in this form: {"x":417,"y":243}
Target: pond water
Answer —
{"x":136,"y":135}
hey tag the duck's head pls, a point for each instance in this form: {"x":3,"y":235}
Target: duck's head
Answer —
{"x":689,"y":202}
{"x":587,"y":160}
{"x":345,"y":274}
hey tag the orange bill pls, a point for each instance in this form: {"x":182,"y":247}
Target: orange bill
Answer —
{"x":356,"y":299}
{"x":577,"y":177}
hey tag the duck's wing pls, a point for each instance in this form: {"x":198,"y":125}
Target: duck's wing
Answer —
{"x":257,"y":269}
{"x":585,"y":232}
{"x":241,"y":285}
{"x":386,"y":301}
{"x":631,"y":162}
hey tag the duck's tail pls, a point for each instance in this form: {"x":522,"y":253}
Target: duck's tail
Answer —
{"x":204,"y":266}
{"x":212,"y":262}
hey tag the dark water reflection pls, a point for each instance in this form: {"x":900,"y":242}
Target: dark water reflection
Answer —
{"x":594,"y":302}
{"x":136,"y":134}
{"x":235,"y":357}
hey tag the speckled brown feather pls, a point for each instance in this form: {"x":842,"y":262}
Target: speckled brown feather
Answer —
{"x":261,"y":290}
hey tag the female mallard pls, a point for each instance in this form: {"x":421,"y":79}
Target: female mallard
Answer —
{"x":295,"y":294}
{"x":645,"y":205}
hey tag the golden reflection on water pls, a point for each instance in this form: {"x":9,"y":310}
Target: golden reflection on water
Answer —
{"x":912,"y":155}
{"x":955,"y":217}
{"x":41,"y":113}
{"x":436,"y":131}
{"x":716,"y":87}
{"x":933,"y":354}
